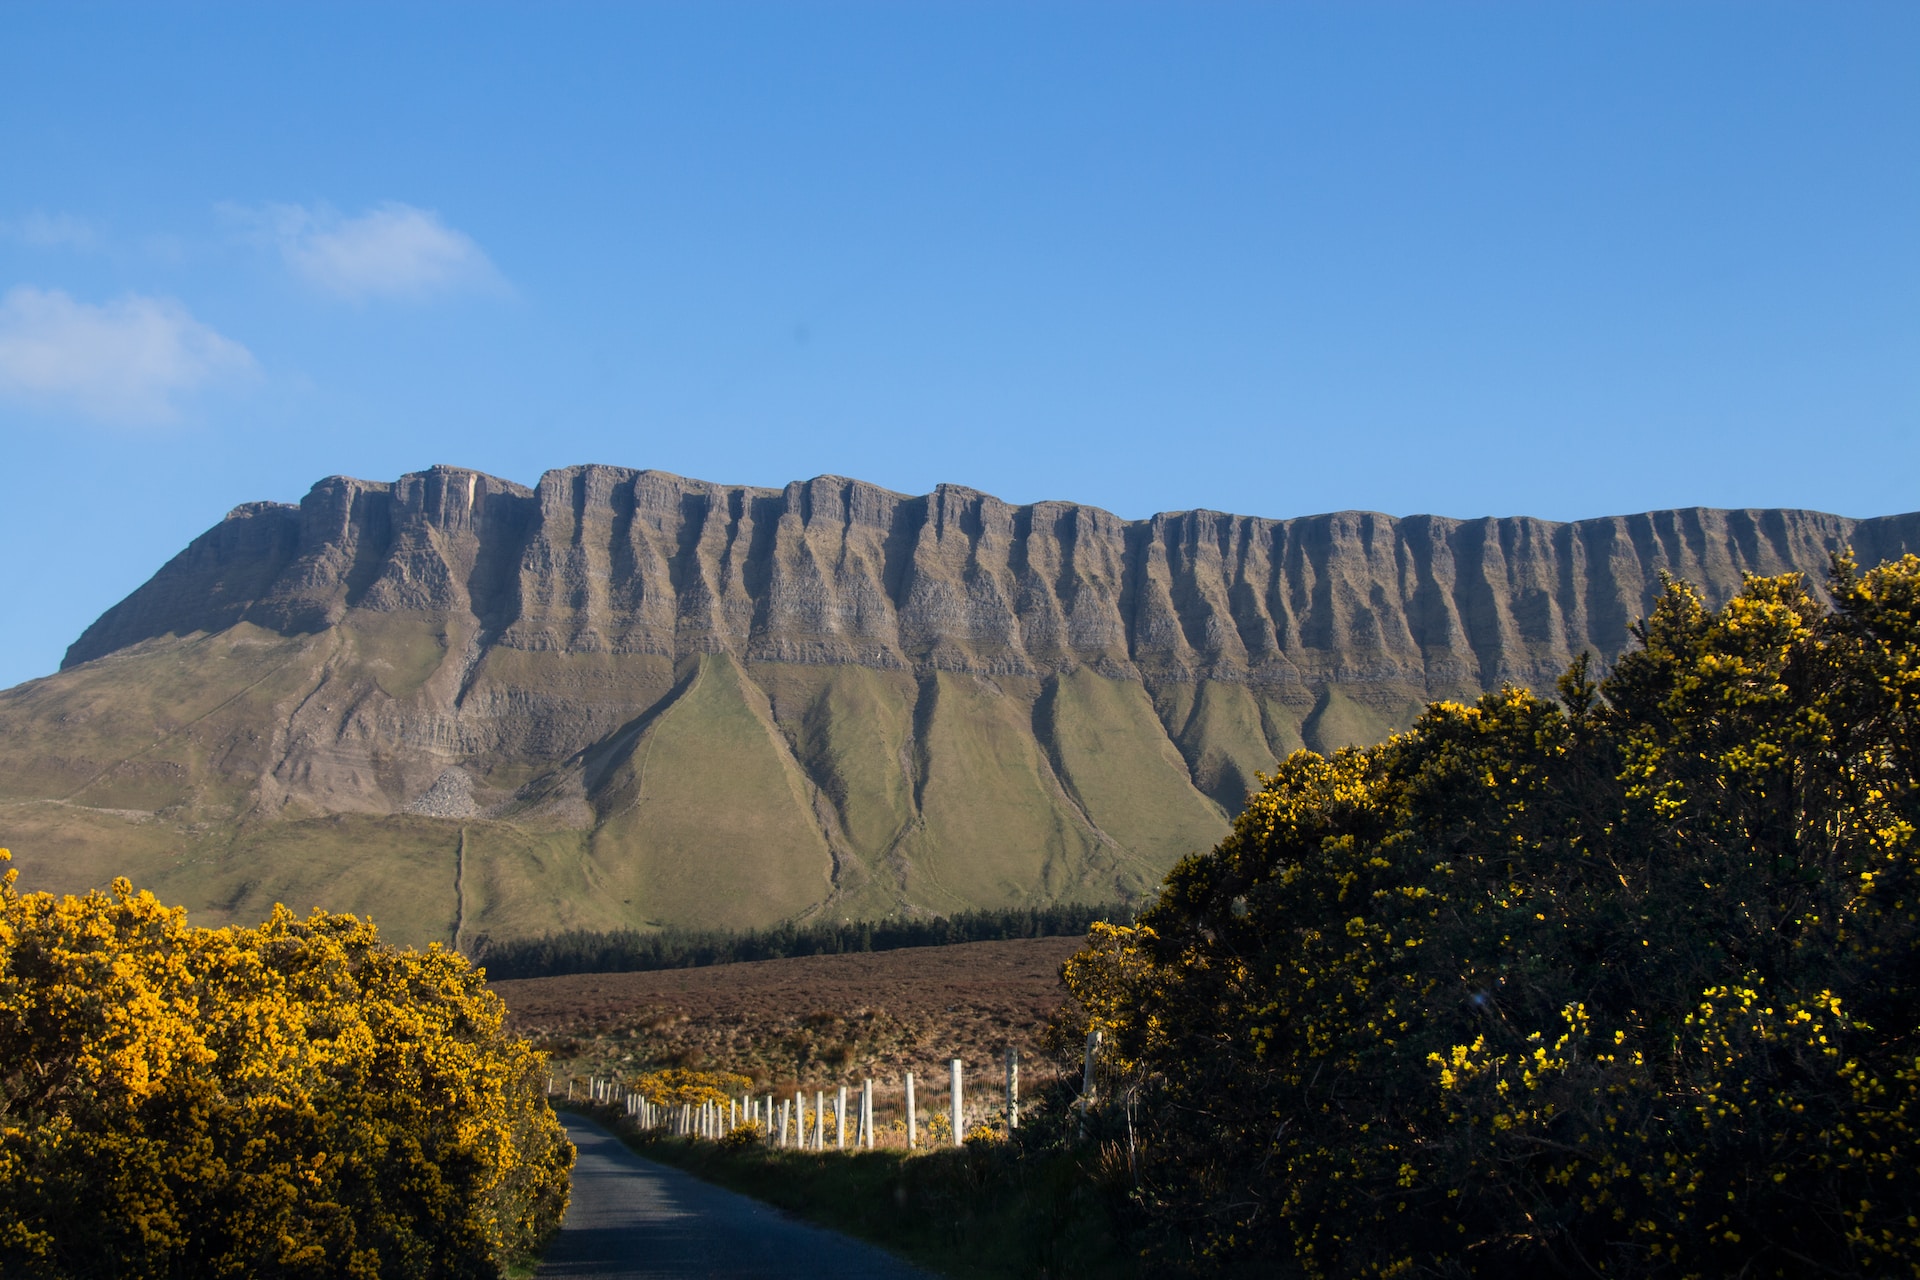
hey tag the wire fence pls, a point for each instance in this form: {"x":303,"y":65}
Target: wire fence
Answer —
{"x":909,"y":1114}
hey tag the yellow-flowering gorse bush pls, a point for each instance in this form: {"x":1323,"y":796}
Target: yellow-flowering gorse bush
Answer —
{"x":683,"y":1086}
{"x":1625,"y":983}
{"x":296,"y":1099}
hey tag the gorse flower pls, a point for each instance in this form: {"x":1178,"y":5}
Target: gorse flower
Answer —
{"x":291,"y":1100}
{"x":681,"y":1086}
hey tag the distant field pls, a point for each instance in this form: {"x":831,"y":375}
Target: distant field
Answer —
{"x":817,"y":1020}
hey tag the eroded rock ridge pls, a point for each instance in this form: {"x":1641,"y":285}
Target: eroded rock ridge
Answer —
{"x":622,"y":698}
{"x":602,"y":559}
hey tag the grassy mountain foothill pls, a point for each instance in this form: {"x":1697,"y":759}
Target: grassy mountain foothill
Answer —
{"x":626,"y":701}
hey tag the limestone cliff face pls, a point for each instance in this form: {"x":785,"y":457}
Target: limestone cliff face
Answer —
{"x":834,"y":571}
{"x":419,"y":543}
{"x":623,"y":697}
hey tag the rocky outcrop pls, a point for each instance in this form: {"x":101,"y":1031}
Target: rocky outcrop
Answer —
{"x":424,"y":543}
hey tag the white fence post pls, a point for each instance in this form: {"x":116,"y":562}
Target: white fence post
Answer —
{"x":840,"y":1120}
{"x":959,"y":1108}
{"x":1013,"y":1089}
{"x":1086,"y":1082}
{"x":819,"y":1119}
{"x":913,"y":1117}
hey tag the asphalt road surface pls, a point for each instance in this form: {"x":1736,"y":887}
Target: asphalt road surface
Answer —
{"x":633,"y":1219}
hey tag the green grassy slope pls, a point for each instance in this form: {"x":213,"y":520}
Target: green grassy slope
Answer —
{"x":1124,"y":773}
{"x":1339,"y":719}
{"x":710,"y":822}
{"x":234,"y":770}
{"x":168,"y":723}
{"x":1221,"y":736}
{"x":522,"y":881}
{"x":997,"y":828}
{"x":851,"y":729}
{"x":399,"y":869}
{"x":69,"y":848}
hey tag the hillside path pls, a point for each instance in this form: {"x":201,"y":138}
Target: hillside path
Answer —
{"x":634,"y":1219}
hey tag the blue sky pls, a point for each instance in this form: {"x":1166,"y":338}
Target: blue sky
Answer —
{"x":1553,"y":259}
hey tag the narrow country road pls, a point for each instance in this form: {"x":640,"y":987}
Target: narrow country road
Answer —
{"x":633,"y":1219}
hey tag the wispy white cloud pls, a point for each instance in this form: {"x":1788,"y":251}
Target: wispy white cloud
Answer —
{"x":124,"y":361}
{"x":392,"y":251}
{"x":50,"y":231}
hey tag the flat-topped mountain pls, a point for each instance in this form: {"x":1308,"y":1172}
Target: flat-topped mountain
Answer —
{"x":623,"y":697}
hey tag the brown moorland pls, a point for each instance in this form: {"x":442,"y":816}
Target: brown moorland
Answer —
{"x":816,"y":1019}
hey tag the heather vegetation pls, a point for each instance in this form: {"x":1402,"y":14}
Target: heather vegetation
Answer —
{"x":1618,"y":983}
{"x":296,"y":1099}
{"x":630,"y":951}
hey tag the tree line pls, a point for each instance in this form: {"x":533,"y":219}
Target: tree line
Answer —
{"x":630,"y":951}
